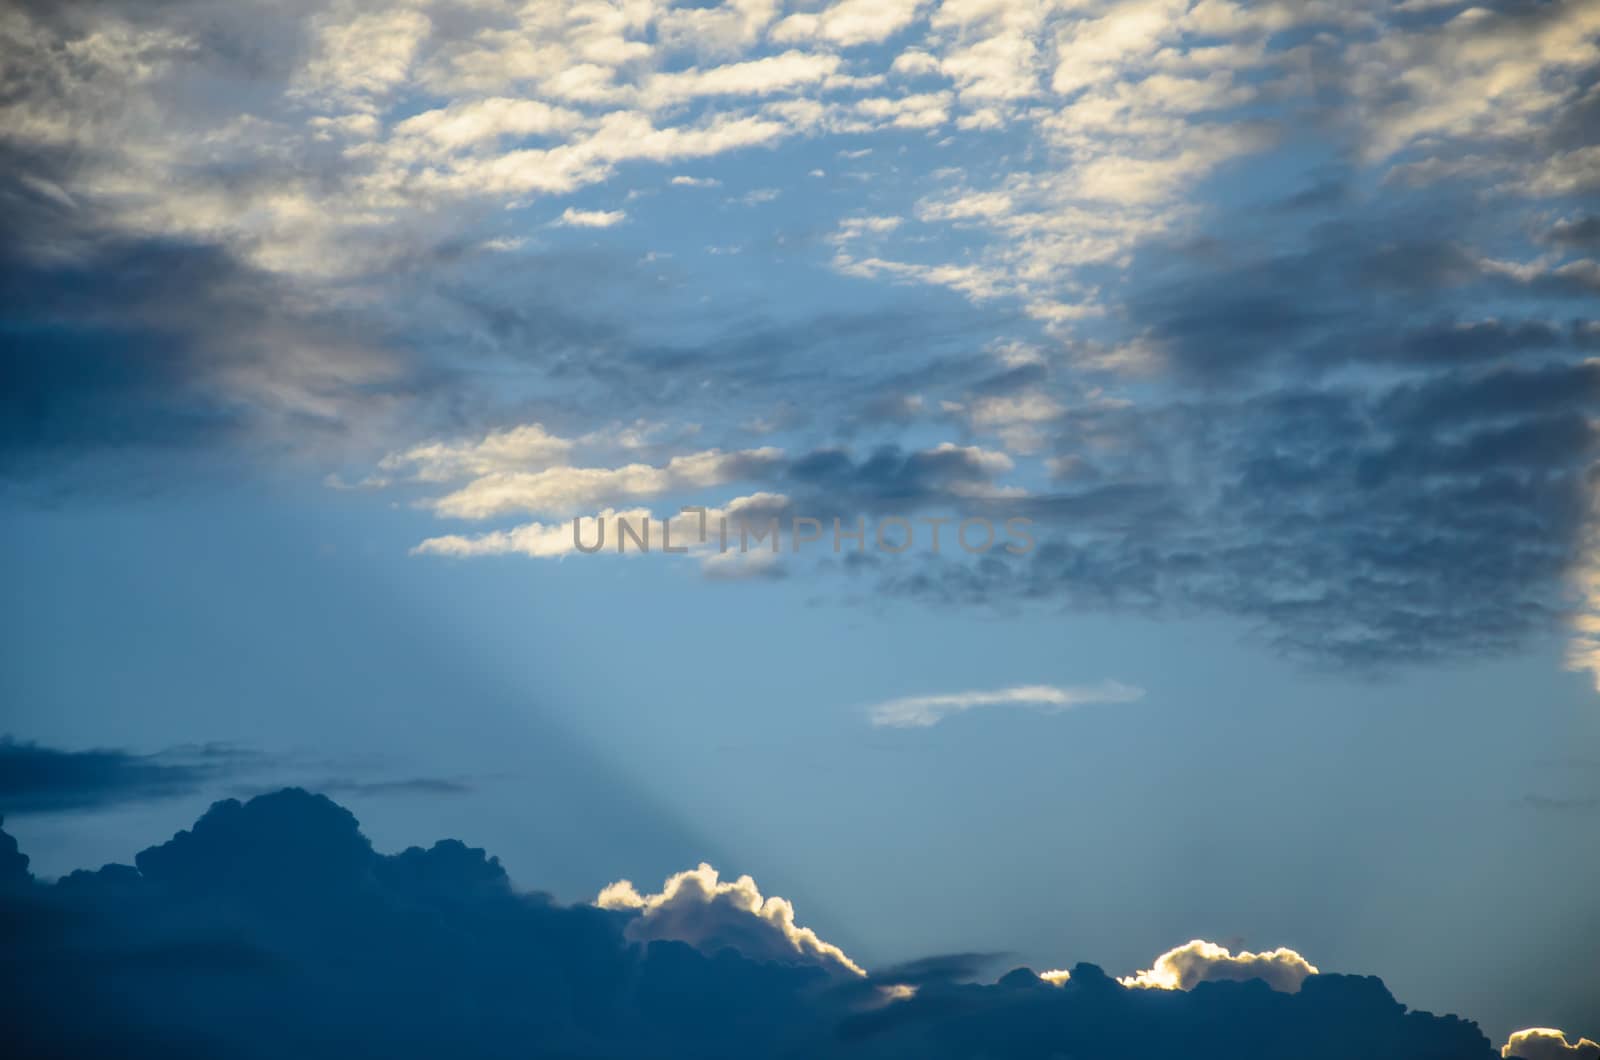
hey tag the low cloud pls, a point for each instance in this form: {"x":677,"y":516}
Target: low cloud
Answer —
{"x":917,"y":712}
{"x":698,"y":908}
{"x":300,"y":936}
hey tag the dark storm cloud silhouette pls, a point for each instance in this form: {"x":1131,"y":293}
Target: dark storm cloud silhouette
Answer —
{"x":273,"y":928}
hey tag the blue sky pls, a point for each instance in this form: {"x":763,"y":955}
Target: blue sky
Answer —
{"x":1275,"y":321}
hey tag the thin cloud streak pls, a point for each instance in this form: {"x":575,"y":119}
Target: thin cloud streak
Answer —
{"x":920,"y":712}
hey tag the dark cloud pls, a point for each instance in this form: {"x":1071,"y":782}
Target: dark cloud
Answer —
{"x":1582,"y":233}
{"x":273,"y":928}
{"x":407,"y":786}
{"x":893,"y":478}
{"x":154,"y":353}
{"x":36,"y":779}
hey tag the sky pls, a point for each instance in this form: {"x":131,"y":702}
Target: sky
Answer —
{"x":1261,"y":337}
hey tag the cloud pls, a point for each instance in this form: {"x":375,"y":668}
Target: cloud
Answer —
{"x":429,"y":786}
{"x":579,"y":490}
{"x":1186,"y":966}
{"x":574,"y":218}
{"x":539,"y":540}
{"x":915,"y":712}
{"x":697,"y":907}
{"x":1270,"y":377}
{"x":40,"y":780}
{"x":301,"y":937}
{"x":522,"y":448}
{"x":35,"y":779}
{"x":849,"y":22}
{"x":1542,"y":1043}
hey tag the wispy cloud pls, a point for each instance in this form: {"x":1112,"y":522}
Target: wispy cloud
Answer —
{"x":917,"y":712}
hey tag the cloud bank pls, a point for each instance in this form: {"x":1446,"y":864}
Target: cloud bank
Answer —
{"x":272,"y":927}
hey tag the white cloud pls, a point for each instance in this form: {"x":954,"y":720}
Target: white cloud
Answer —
{"x":1199,"y":961}
{"x":758,"y":77}
{"x":364,"y":55}
{"x":534,"y":540}
{"x":924,"y":711}
{"x":1545,"y":1043}
{"x":574,"y":218}
{"x":849,"y":22}
{"x":647,"y":533}
{"x":461,"y":125}
{"x":570,"y":490}
{"x":523,"y":448}
{"x":710,"y":914}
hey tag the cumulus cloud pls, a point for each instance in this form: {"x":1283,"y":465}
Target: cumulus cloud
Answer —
{"x":1199,"y":961}
{"x":1543,"y":1043}
{"x":301,"y":936}
{"x":918,"y":712}
{"x":697,"y":907}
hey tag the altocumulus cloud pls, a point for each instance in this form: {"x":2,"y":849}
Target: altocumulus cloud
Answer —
{"x":272,"y":928}
{"x":911,"y":712}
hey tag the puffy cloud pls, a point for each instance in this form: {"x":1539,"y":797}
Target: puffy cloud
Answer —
{"x":466,"y":124}
{"x":1199,"y":961}
{"x":758,"y":77}
{"x":919,"y":712}
{"x":364,"y":54}
{"x":710,"y":914}
{"x":849,"y":22}
{"x":1543,"y":1043}
{"x":297,"y":931}
{"x":575,"y":218}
